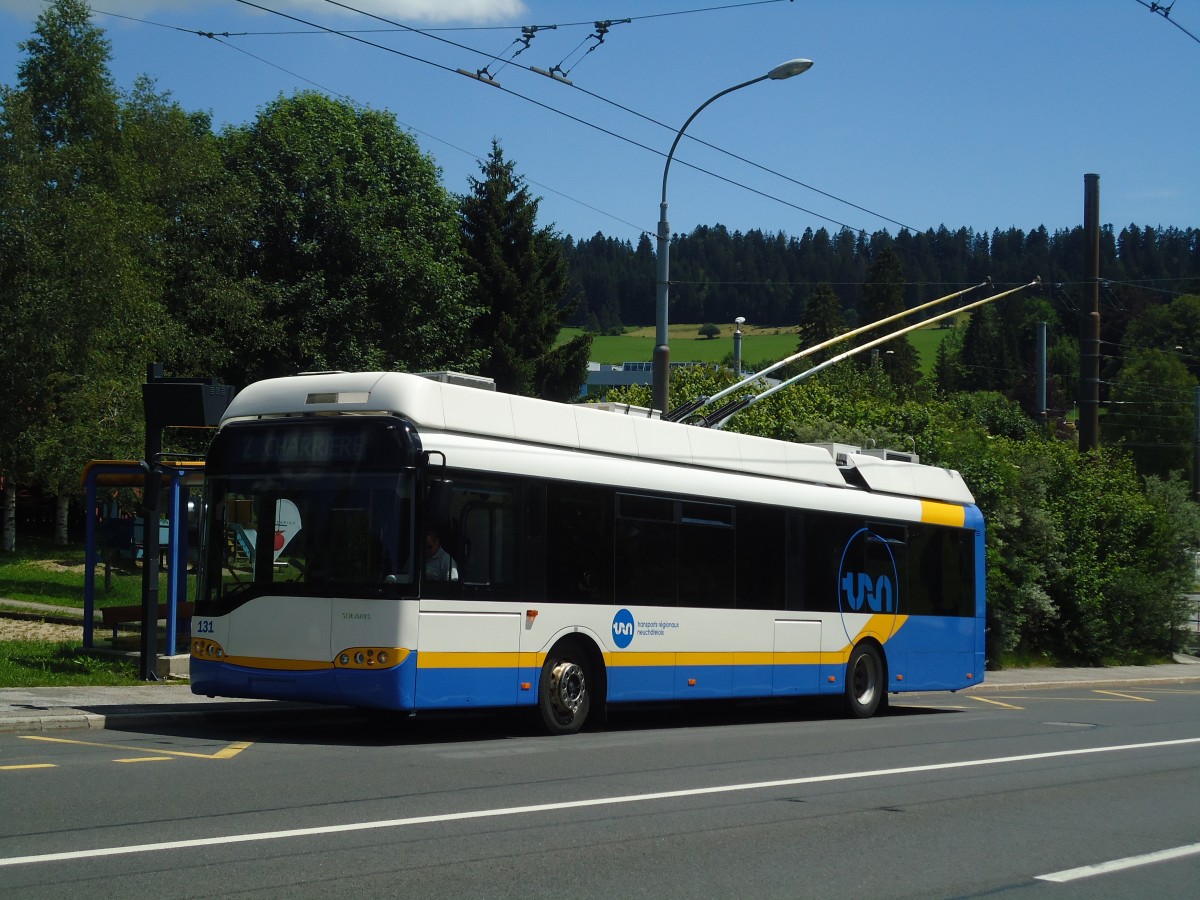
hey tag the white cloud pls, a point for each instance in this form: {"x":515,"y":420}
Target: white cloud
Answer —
{"x":409,"y":12}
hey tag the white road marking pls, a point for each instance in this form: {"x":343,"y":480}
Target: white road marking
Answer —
{"x":575,"y":804}
{"x":1117,"y":865}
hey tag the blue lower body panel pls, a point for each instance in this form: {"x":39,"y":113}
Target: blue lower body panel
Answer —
{"x":927,"y":653}
{"x":379,"y":688}
{"x":467,"y":688}
{"x":632,"y":684}
{"x":935,"y":653}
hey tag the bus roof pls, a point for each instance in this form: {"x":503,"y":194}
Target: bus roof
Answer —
{"x":433,"y":405}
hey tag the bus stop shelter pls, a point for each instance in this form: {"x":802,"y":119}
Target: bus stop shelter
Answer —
{"x":178,"y":478}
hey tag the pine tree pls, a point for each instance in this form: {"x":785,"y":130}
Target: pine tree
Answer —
{"x":822,"y":320}
{"x":522,"y":285}
{"x":985,"y":351}
{"x":883,"y":295}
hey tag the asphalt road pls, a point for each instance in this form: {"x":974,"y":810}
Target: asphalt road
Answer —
{"x":1003,"y":795}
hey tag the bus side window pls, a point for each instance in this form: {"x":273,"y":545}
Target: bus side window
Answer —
{"x":705,"y":539}
{"x":825,"y":536}
{"x":579,"y":543}
{"x":483,"y":537}
{"x":942,"y":571}
{"x":763,"y":557}
{"x":647,"y":558}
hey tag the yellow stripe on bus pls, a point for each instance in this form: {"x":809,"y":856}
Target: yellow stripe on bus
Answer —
{"x":943,"y":514}
{"x":880,"y":626}
{"x":801,"y":658}
{"x":288,"y":665}
{"x":498,"y":660}
{"x":625,"y":658}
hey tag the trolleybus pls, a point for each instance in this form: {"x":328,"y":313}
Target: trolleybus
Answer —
{"x":403,"y":542}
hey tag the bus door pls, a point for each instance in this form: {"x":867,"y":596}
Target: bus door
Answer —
{"x":469,"y":632}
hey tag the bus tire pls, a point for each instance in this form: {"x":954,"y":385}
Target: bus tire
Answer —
{"x":866,"y":681}
{"x":565,"y":688}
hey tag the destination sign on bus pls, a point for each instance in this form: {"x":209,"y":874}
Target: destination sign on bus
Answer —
{"x":310,"y":446}
{"x":380,"y":442}
{"x":298,"y":445}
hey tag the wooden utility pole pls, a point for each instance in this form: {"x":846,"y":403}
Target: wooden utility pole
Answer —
{"x":1089,"y":321}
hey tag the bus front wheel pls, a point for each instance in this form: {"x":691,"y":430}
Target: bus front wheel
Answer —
{"x":565,"y":689}
{"x":865,"y":681}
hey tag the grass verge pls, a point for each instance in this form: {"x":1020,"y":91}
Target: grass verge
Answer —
{"x":41,"y":573}
{"x":53,"y":664}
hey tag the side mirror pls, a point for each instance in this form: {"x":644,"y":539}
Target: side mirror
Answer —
{"x":437,"y":500}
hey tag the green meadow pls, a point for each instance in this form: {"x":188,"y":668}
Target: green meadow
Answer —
{"x":759,"y":345}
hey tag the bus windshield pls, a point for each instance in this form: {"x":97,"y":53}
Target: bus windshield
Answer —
{"x":307,"y":533}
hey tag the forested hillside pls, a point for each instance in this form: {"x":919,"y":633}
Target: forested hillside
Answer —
{"x":822,"y":284}
{"x":717,"y":275}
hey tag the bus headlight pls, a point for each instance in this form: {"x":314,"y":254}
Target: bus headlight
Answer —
{"x":370,"y":657}
{"x":203,"y":648}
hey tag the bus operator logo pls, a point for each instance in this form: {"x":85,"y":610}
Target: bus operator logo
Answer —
{"x":623,"y":628}
{"x":872,"y":590}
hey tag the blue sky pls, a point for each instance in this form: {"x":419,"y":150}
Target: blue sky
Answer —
{"x":976,"y":113}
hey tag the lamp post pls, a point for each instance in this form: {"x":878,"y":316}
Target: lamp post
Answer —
{"x":662,"y":352}
{"x":737,"y":345}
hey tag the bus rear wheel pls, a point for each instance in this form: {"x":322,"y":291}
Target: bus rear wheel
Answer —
{"x":565,"y":689}
{"x":865,"y":685}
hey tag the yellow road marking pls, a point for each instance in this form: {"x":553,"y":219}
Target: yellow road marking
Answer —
{"x":228,"y":753}
{"x":1037,"y":697}
{"x":29,"y":766}
{"x":995,"y":702}
{"x":1125,"y":696}
{"x":144,"y":759}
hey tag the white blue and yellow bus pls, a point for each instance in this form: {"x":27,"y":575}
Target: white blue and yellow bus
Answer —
{"x":595,"y":557}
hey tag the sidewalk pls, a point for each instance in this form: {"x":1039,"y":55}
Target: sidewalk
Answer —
{"x":57,"y":708}
{"x":1184,"y":669}
{"x":53,"y":708}
{"x":46,"y":709}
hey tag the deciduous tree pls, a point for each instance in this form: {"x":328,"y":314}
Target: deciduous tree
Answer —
{"x":78,"y":302}
{"x":352,"y":243}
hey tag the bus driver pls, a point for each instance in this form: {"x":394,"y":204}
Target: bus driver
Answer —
{"x":439,"y":565}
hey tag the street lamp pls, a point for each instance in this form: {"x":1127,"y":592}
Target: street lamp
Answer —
{"x":662,"y":352}
{"x":737,"y":345}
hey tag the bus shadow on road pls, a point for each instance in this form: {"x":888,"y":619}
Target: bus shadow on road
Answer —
{"x":336,"y":726}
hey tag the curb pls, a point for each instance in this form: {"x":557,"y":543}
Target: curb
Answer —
{"x":988,"y":686}
{"x":55,"y":722}
{"x":81,"y":720}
